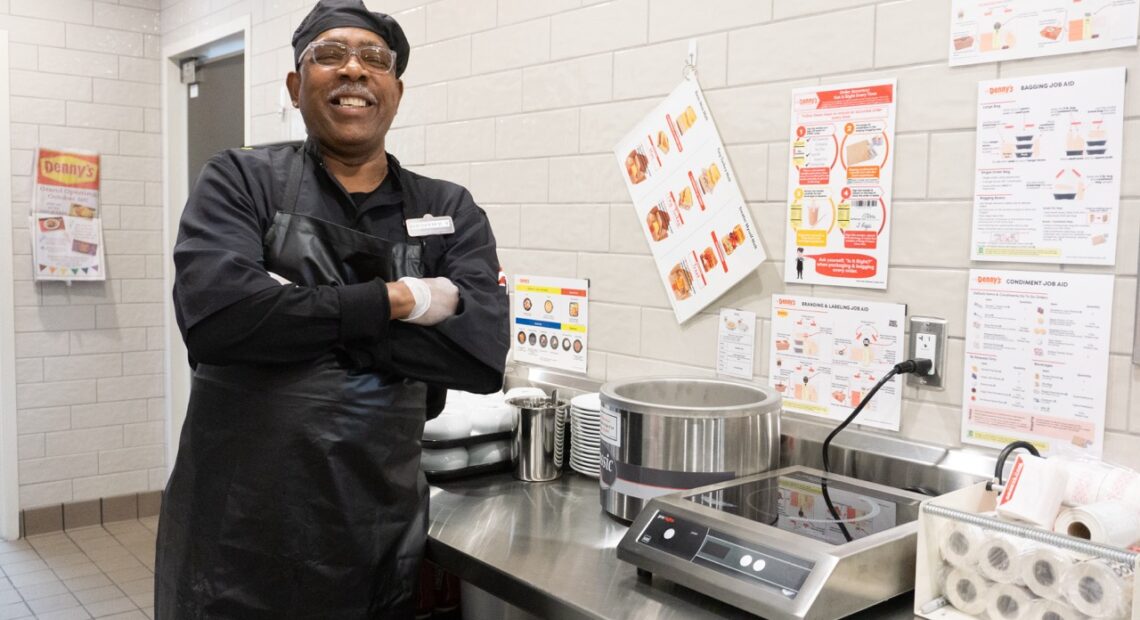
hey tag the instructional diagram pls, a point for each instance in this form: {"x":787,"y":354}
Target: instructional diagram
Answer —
{"x":1048,"y":166}
{"x":826,"y":354}
{"x":839,"y":185}
{"x":686,"y":195}
{"x":993,"y":30}
{"x":1036,"y":363}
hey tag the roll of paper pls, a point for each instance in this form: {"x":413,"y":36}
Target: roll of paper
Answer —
{"x":960,"y":542}
{"x":1006,"y":601}
{"x":1043,"y":609}
{"x":1098,"y":589}
{"x":967,"y":591}
{"x":1042,"y":570}
{"x":1034,"y":491}
{"x":1000,"y":558}
{"x":1093,"y":481}
{"x":1110,"y":522}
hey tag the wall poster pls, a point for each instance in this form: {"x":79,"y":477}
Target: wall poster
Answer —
{"x":993,"y":30}
{"x":1047,"y":169}
{"x":825,"y":355}
{"x":839,"y":184}
{"x":688,"y":200}
{"x":551,"y":316}
{"x":1036,"y":364}
{"x":67,"y":234}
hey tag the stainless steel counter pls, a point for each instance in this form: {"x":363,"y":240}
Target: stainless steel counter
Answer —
{"x":549,"y":549}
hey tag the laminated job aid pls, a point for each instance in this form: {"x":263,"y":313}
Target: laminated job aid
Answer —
{"x":1000,"y":558}
{"x":1098,"y":589}
{"x":1044,"y":609}
{"x":1034,"y":491}
{"x":967,"y":591}
{"x":960,"y":542}
{"x":1111,"y":522}
{"x":1006,"y":601}
{"x":1042,"y":570}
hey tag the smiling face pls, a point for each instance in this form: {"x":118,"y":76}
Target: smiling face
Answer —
{"x":347,"y":109}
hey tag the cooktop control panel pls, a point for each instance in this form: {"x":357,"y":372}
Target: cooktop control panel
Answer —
{"x":708,"y":548}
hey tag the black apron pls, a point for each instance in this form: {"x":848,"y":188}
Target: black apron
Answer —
{"x":297,"y":491}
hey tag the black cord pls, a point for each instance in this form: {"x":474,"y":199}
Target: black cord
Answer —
{"x":827,"y":444}
{"x":1004,"y":454}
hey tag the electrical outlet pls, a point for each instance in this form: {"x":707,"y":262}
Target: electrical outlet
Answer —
{"x":928,"y":340}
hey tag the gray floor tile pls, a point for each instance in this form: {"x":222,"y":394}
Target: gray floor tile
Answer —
{"x":130,"y":615}
{"x":139,"y":586}
{"x":53,"y":603}
{"x":77,"y":613}
{"x":66,"y":559}
{"x":109,"y":607}
{"x":10,"y":597}
{"x":130,"y":574}
{"x":22,"y":568}
{"x":32,"y":579}
{"x":98,"y":595}
{"x":98,"y":580}
{"x":14,"y":545}
{"x":18,"y":610}
{"x":149,"y":611}
{"x":86,"y":532}
{"x":118,"y":564}
{"x":143,"y":600}
{"x":43,"y":590}
{"x":72,"y":571}
{"x":18,"y":556}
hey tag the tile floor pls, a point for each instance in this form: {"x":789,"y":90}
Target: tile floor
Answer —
{"x":102,"y":571}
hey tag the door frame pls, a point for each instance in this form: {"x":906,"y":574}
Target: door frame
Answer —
{"x":176,"y":190}
{"x":9,"y":447}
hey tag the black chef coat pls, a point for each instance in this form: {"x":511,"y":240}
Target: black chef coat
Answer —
{"x":230,"y":311}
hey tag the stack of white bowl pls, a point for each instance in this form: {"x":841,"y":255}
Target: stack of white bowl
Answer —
{"x":585,"y":436}
{"x":469,"y":415}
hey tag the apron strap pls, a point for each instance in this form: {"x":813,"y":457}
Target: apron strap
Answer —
{"x":293,"y":185}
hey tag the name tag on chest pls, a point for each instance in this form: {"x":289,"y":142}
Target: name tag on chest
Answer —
{"x":428,"y":225}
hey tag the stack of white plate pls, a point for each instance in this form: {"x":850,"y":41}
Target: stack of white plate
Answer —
{"x":585,"y":437}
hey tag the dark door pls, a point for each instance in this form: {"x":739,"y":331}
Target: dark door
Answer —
{"x":214,"y":117}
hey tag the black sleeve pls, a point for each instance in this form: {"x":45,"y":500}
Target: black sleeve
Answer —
{"x":291,"y":324}
{"x":228,"y":307}
{"x":467,"y":351}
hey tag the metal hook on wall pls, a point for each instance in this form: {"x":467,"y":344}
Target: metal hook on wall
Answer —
{"x":689,"y":71}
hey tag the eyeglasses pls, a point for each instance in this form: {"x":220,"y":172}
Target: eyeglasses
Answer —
{"x":334,"y":55}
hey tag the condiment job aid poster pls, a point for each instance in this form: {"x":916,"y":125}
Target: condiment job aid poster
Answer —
{"x":826,"y":354}
{"x":550,"y":324}
{"x":1048,"y":163}
{"x":1036,"y":364}
{"x":839,"y":184}
{"x":688,"y":201}
{"x":67,"y":234}
{"x":993,"y":30}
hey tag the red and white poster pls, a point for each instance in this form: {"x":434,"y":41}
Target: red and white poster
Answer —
{"x":840,"y":170}
{"x":689,"y":202}
{"x":67,"y":234}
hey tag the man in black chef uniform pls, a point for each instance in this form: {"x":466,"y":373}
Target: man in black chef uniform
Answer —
{"x":327,"y":298}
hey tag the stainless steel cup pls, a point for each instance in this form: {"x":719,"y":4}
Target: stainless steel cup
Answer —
{"x":538,"y":441}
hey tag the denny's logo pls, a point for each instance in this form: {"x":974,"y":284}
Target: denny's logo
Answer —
{"x":69,"y":169}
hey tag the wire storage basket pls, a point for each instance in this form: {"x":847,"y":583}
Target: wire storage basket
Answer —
{"x":972,"y":565}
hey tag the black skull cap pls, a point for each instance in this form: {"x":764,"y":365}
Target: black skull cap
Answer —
{"x":329,"y":14}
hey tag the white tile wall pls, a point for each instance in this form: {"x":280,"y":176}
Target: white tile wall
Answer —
{"x":84,"y":75}
{"x":521,"y":102}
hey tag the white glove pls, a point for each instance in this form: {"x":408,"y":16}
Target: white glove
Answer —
{"x":436,"y":300}
{"x":279,"y":279}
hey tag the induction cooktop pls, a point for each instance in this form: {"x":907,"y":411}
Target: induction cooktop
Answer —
{"x":793,"y":543}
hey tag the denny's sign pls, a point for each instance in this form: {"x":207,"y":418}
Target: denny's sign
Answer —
{"x":67,"y":232}
{"x":66,"y":169}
